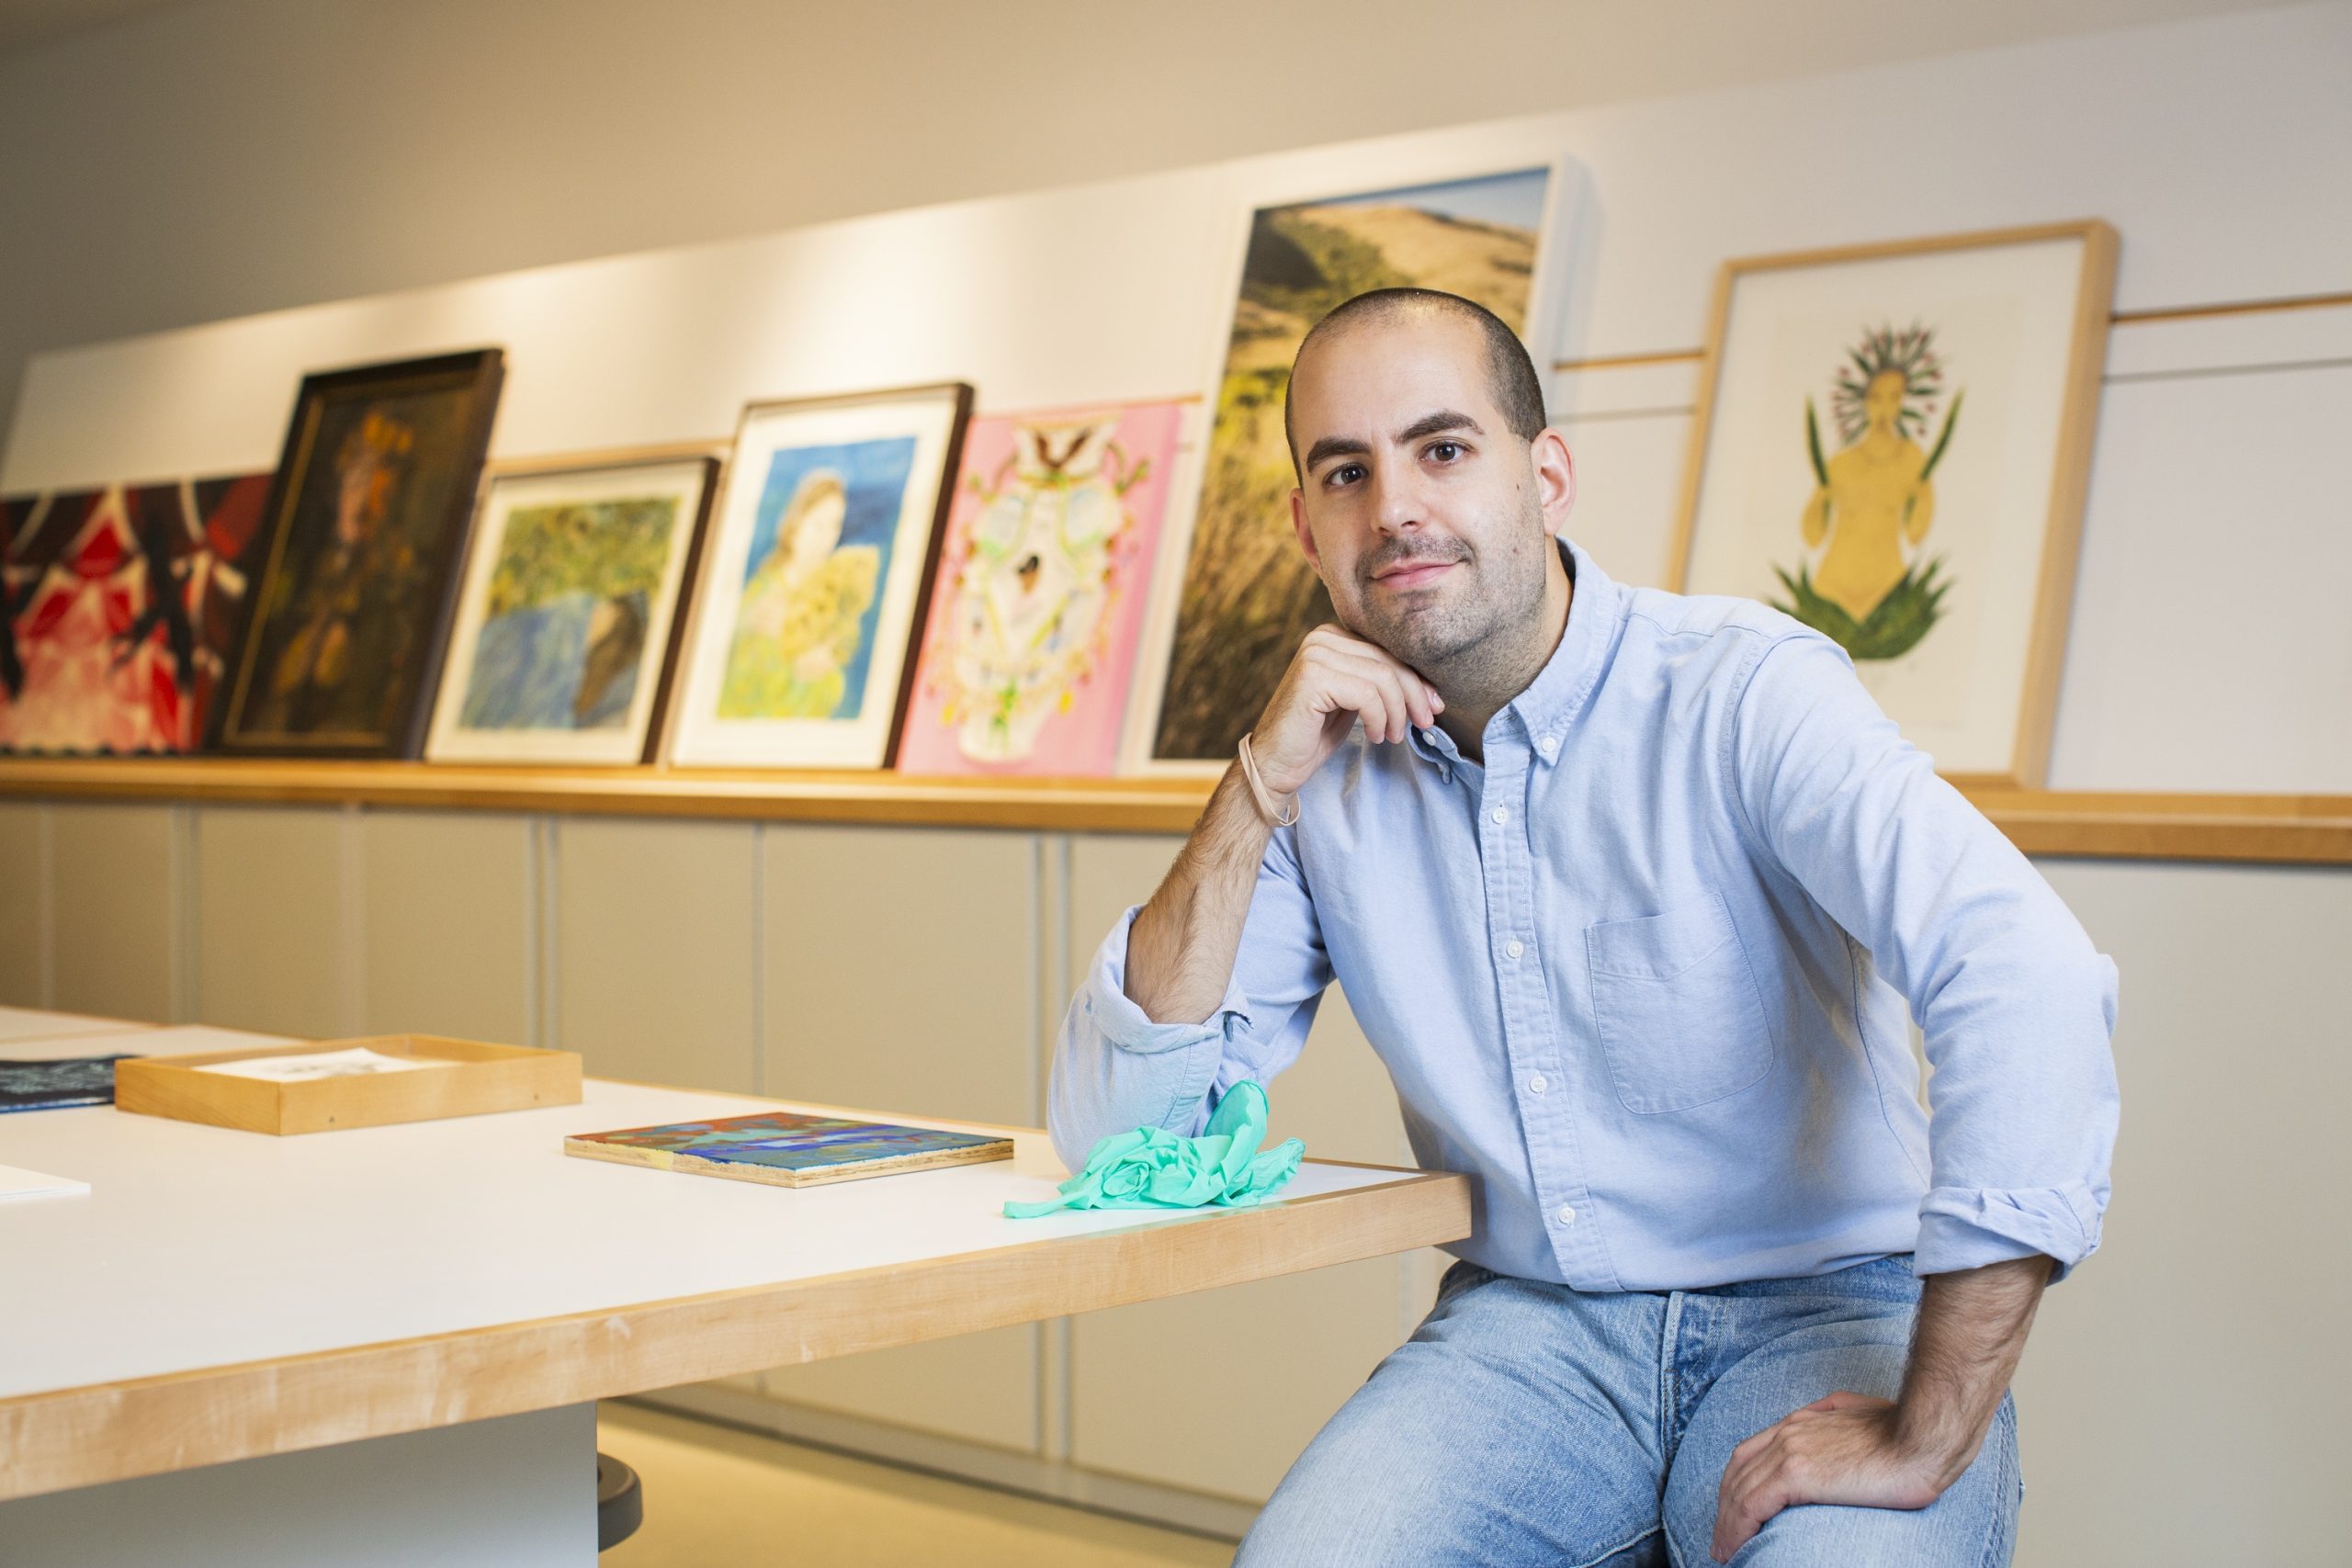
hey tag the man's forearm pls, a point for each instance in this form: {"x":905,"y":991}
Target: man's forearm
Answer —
{"x":1964,"y":1348}
{"x":1180,"y":951}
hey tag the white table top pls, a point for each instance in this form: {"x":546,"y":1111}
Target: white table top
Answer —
{"x":23,"y":1025}
{"x":106,"y":1037}
{"x":202,"y":1247}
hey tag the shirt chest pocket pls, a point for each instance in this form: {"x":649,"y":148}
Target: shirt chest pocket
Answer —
{"x":1680,"y":1015}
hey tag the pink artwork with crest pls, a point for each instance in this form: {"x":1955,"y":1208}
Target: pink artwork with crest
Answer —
{"x":1029,"y":649}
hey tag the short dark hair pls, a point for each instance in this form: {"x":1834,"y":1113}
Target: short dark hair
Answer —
{"x":1510,"y":372}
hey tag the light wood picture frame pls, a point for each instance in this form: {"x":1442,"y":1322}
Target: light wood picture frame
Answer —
{"x":571,"y":611}
{"x":1892,"y":443}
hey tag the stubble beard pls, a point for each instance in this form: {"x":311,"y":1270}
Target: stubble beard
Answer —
{"x":1469,"y":640}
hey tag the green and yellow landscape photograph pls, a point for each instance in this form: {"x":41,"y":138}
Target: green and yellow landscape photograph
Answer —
{"x":1248,"y":594}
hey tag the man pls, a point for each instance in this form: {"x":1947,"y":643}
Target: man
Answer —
{"x":1629,"y":891}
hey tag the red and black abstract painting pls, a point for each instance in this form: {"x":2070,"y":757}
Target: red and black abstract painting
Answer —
{"x":120,"y":610}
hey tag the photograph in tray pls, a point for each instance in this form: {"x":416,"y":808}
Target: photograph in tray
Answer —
{"x":366,"y":525}
{"x":1030,"y":644}
{"x":59,"y":1083}
{"x":814,"y":581}
{"x":568,"y":618}
{"x":120,"y":610}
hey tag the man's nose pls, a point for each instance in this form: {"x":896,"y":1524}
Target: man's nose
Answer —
{"x":1395,"y":503}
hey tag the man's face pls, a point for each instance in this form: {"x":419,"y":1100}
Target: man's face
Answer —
{"x":1418,"y":506}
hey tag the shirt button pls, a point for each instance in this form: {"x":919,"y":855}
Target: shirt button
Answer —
{"x":1501,"y":814}
{"x":1514,"y":947}
{"x":1538,"y":1084}
{"x":1567,"y":1216}
{"x":1549,"y":746}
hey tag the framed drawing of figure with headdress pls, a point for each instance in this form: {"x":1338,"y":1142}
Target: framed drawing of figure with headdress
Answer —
{"x":365,"y":527}
{"x":815,"y":579}
{"x":1893,"y":446}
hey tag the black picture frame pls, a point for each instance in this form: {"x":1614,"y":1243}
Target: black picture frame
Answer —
{"x":366,"y":523}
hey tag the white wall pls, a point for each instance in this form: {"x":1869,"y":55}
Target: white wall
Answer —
{"x":218,"y":157}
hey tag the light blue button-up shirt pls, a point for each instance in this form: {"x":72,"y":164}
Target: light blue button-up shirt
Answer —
{"x":1644,"y":976}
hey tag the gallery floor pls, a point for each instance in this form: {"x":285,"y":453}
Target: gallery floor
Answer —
{"x":717,"y":1495}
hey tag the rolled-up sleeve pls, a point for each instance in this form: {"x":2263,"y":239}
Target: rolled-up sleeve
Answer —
{"x":1115,"y":1068}
{"x":2017,"y":1006}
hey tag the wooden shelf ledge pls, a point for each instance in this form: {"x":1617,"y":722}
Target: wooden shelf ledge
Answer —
{"x":1134,"y":806}
{"x":2285,"y":829}
{"x":2311,"y":830}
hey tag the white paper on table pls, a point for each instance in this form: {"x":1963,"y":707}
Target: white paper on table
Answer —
{"x":16,"y":1182}
{"x":356,"y":1061}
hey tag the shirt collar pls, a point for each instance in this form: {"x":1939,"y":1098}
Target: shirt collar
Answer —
{"x":1552,"y":701}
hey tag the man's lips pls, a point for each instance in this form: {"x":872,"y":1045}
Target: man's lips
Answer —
{"x":1412,"y":574}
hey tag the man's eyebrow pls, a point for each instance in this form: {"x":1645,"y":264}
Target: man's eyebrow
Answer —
{"x":1442,"y":420}
{"x":1337,"y":446}
{"x":1428,"y":424}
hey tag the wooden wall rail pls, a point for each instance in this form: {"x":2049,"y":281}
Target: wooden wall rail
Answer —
{"x":2307,"y":830}
{"x":1130,"y":805}
{"x":2314,"y":829}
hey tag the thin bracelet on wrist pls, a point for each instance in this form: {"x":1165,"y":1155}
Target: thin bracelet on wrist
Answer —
{"x":1259,"y":792}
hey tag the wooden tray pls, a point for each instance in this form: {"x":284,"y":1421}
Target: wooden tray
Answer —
{"x":477,"y":1078}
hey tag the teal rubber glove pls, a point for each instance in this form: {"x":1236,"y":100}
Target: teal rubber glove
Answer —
{"x":1153,"y":1169}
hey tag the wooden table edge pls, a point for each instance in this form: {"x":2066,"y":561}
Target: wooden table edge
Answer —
{"x":82,"y":1437}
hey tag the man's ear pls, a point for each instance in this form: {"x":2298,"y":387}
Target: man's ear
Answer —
{"x":1305,"y":535}
{"x":1556,"y":479}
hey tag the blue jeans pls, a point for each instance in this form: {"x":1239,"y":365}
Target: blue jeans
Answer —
{"x":1527,"y":1423}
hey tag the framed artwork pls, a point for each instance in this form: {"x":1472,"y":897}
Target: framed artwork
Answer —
{"x":1892,"y":446}
{"x":119,"y":609}
{"x":814,"y":581}
{"x":365,"y":527}
{"x":1246,"y":596}
{"x":570,"y":612}
{"x":1029,"y":642}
